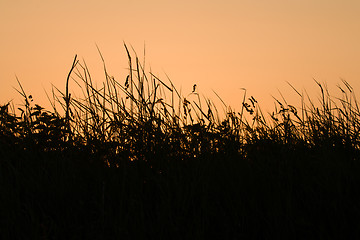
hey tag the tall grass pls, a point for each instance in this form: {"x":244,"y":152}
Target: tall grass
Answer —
{"x":137,"y":159}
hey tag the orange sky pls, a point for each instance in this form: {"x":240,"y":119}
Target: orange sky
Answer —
{"x":223,"y":45}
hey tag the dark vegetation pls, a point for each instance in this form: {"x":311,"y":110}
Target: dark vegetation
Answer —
{"x":140,"y":161}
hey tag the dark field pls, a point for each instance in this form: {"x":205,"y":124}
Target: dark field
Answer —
{"x":140,"y":161}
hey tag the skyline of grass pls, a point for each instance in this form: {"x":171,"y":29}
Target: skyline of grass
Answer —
{"x":145,"y":97}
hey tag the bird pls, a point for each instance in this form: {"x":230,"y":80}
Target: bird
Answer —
{"x":194,"y":88}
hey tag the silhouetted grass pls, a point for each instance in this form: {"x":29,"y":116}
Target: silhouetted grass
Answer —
{"x":140,"y":160}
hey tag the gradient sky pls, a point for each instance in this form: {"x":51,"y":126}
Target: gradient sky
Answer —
{"x":223,"y":45}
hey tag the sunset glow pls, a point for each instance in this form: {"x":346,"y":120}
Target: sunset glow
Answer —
{"x":219,"y":45}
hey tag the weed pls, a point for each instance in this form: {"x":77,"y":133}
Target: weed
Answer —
{"x":139,"y":160}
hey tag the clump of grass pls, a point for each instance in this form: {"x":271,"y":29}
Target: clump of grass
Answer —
{"x":138,"y":159}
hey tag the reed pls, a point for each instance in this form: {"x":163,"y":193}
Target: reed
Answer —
{"x":137,"y":159}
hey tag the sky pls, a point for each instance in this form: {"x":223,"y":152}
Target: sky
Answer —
{"x":220,"y":45}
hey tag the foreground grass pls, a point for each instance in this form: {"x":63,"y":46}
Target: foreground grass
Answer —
{"x":139,"y":160}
